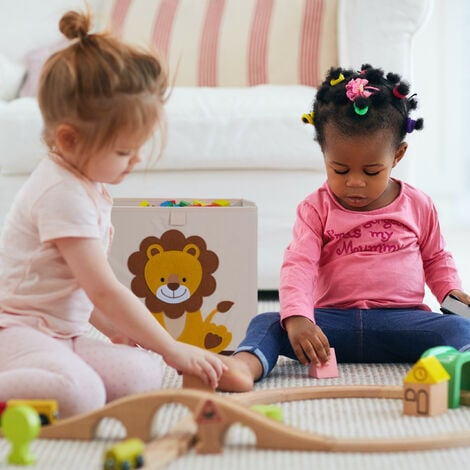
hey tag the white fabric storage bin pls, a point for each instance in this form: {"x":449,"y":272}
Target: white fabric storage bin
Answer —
{"x":194,"y":267}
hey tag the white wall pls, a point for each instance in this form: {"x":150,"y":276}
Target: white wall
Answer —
{"x":441,"y":77}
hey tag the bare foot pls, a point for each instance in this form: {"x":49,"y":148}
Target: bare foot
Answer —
{"x":241,"y":374}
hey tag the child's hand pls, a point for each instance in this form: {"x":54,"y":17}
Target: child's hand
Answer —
{"x":308,"y":340}
{"x":462,"y":296}
{"x":196,"y":361}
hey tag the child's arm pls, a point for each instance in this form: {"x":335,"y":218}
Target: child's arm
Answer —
{"x":103,"y":324}
{"x":87,"y":261}
{"x":307,"y":340}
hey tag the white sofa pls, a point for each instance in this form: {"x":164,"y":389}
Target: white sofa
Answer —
{"x":226,"y":139}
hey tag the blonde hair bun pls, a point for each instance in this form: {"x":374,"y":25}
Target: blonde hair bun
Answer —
{"x":75,"y":25}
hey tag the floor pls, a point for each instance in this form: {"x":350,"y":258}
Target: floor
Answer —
{"x":347,"y":419}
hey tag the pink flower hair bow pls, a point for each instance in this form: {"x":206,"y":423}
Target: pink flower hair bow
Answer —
{"x":358,"y":87}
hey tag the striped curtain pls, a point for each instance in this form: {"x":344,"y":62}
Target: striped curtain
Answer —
{"x":234,"y":42}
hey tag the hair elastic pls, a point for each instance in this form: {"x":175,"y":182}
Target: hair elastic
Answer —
{"x":360,"y":111}
{"x":410,"y":125}
{"x":397,"y":94}
{"x":358,"y":87}
{"x":335,"y":81}
{"x":307,"y":118}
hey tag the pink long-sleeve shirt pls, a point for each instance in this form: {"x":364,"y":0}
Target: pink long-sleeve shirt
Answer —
{"x":382,"y":258}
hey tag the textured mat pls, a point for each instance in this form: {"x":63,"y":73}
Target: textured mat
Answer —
{"x":345,"y":418}
{"x":348,"y":418}
{"x":342,"y":418}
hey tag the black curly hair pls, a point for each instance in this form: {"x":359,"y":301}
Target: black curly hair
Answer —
{"x":387,"y":105}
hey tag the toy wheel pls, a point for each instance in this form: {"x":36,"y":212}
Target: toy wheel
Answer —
{"x":44,"y":419}
{"x":139,"y":461}
{"x":109,"y":464}
{"x":125,"y":465}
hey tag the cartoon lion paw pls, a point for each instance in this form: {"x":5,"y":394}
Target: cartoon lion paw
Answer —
{"x":217,"y":338}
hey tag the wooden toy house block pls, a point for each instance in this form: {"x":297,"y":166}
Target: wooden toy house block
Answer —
{"x":327,"y":370}
{"x":426,"y":388}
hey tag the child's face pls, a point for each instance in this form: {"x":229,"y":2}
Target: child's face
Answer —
{"x":113,"y":165}
{"x":358,"y":168}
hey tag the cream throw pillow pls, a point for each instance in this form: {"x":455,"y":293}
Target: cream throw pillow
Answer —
{"x":11,"y":78}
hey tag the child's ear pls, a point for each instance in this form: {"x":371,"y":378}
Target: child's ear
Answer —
{"x":400,"y":153}
{"x":66,"y":137}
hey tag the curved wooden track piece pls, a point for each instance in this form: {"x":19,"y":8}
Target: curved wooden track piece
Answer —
{"x":215,"y":413}
{"x":177,"y":442}
{"x":311,"y":393}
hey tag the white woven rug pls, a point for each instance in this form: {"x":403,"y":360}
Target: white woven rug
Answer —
{"x":347,"y":418}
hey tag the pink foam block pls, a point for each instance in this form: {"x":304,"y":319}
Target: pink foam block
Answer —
{"x":327,"y":370}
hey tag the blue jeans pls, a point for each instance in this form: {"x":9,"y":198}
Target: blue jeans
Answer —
{"x":376,"y":335}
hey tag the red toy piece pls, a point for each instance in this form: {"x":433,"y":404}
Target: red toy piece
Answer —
{"x":327,"y":370}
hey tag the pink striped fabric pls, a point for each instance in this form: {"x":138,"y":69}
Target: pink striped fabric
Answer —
{"x":162,"y":25}
{"x":310,"y":42}
{"x":118,"y":14}
{"x":209,"y":43}
{"x":234,"y":42}
{"x":257,"y":57}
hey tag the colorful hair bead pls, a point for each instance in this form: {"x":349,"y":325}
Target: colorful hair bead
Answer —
{"x":335,"y":81}
{"x":307,"y":118}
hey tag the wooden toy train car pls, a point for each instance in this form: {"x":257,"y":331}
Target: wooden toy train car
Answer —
{"x":48,"y":410}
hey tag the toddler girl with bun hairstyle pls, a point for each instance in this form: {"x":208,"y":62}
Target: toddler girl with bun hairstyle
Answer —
{"x":364,"y":244}
{"x":100,"y":100}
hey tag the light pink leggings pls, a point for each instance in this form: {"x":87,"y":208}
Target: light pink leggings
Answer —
{"x":82,"y":373}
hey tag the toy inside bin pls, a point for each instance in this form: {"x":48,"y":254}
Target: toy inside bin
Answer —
{"x":194,"y":264}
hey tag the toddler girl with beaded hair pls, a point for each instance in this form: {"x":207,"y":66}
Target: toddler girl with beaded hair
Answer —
{"x":100,"y":100}
{"x":364,"y":244}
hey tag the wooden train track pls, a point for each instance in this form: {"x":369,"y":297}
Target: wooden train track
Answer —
{"x":215,"y":413}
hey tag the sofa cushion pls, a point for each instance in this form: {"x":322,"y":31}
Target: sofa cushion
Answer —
{"x":20,"y":140}
{"x":246,"y":127}
{"x":208,"y":128}
{"x":233,"y":42}
{"x":34,"y":61}
{"x":28,"y":24}
{"x":11,"y":77}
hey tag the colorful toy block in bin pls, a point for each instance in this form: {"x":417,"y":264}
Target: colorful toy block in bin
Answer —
{"x":193,"y":262}
{"x":184,"y":203}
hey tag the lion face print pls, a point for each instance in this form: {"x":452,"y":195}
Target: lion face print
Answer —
{"x":173,"y":273}
{"x":173,"y":276}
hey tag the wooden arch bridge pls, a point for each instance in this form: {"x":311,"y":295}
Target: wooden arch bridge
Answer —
{"x":215,"y":413}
